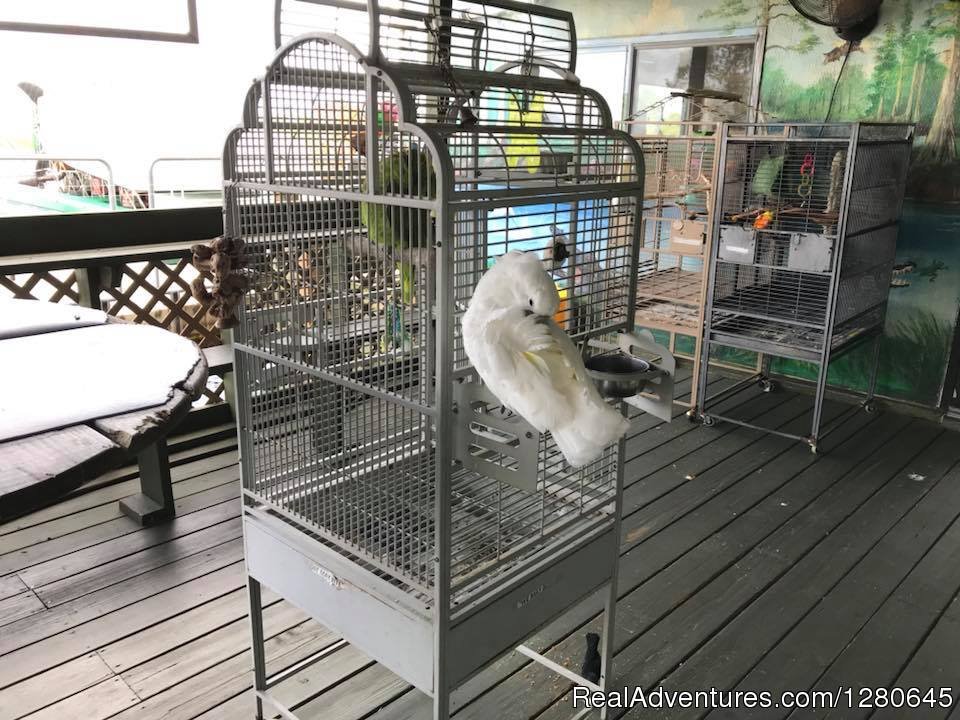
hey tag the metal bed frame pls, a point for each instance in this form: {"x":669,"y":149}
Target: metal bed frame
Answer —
{"x":810,"y":280}
{"x":386,"y":492}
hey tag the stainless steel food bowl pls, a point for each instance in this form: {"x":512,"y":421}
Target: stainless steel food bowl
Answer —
{"x":620,"y":375}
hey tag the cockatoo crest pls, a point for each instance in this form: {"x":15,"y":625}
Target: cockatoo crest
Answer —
{"x":517,"y":279}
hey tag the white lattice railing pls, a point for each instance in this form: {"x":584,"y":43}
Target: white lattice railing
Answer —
{"x":143,"y":282}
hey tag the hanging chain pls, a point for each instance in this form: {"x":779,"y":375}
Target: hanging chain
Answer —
{"x":461,"y":97}
{"x":526,"y":69}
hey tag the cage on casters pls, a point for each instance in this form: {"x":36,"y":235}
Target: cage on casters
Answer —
{"x":804,"y":237}
{"x":680,"y":166}
{"x":386,"y":492}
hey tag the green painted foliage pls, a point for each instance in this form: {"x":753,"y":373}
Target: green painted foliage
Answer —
{"x":789,"y":100}
{"x":912,"y":355}
{"x":903,"y":85}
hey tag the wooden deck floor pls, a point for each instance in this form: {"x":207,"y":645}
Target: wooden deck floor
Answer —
{"x":747,"y":563}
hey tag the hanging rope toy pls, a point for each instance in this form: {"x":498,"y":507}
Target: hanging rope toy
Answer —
{"x":805,"y":186}
{"x":220,"y":262}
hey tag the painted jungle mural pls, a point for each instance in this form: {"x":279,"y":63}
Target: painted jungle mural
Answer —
{"x":907,"y":70}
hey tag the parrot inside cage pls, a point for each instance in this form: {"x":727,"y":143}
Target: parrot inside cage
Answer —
{"x":531,"y":364}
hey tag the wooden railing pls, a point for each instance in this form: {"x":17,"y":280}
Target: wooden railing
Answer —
{"x":133,"y":265}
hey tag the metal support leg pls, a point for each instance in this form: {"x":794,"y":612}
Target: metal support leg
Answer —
{"x":765,"y":365}
{"x":874,"y":368}
{"x":154,"y":502}
{"x":695,"y":378}
{"x":257,"y":640}
{"x":700,"y":399}
{"x":607,"y":641}
{"x":818,"y":402}
{"x":441,"y":705}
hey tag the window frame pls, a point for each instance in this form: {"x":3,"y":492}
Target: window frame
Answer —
{"x":190,"y":36}
{"x":755,"y":36}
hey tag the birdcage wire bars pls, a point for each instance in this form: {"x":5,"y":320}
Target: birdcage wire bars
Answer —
{"x":369,"y":211}
{"x":804,"y":237}
{"x":680,"y":162}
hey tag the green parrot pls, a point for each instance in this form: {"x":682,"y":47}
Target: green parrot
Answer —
{"x":405,"y":172}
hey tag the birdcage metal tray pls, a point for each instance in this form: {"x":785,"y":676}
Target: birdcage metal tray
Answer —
{"x":359,"y":471}
{"x":669,"y":317}
{"x":787,"y":340}
{"x":398,"y":540}
{"x":396,"y":626}
{"x":670,"y":284}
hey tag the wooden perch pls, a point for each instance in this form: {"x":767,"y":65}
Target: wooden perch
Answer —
{"x":681,"y":192}
{"x":359,"y":245}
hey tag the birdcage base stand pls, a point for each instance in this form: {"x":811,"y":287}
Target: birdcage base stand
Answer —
{"x":265,"y":698}
{"x":488,"y":625}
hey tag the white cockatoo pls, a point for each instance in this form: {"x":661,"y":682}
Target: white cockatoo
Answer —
{"x":530,"y":364}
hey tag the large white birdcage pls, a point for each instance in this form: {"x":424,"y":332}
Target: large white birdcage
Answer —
{"x":386,"y":490}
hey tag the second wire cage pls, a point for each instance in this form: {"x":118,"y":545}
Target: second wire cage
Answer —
{"x":803,"y":246}
{"x":680,"y":163}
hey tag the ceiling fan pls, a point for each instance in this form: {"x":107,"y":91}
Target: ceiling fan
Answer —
{"x":852,"y":20}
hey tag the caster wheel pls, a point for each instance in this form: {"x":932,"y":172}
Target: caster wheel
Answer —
{"x":813,"y":449}
{"x":692,"y":415}
{"x":870,"y":407}
{"x":708,"y":421}
{"x":767,"y":385}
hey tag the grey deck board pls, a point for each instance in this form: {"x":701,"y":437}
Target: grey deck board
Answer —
{"x":363,"y":693}
{"x":177,"y":665}
{"x":68,"y":509}
{"x":918,"y":554}
{"x":11,"y":585}
{"x":95,"y":557}
{"x":19,"y":606}
{"x":54,"y":685}
{"x":103,"y":576}
{"x":775,"y":584}
{"x":225,"y":680}
{"x":745,"y":561}
{"x":934,"y":662}
{"x":175,"y":632}
{"x":98,"y":702}
{"x":875,"y":655}
{"x":189,"y":496}
{"x":73,"y":629}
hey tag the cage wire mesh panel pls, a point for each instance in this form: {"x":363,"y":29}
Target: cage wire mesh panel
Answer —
{"x":478,"y":34}
{"x":680,"y":162}
{"x":331,"y":298}
{"x":371,"y":198}
{"x":804,"y":238}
